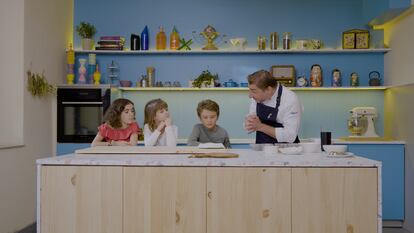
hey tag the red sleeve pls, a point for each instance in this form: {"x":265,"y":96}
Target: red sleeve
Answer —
{"x":135,"y":128}
{"x":103,"y":130}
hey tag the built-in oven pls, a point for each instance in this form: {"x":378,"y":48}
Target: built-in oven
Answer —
{"x":79,"y":113}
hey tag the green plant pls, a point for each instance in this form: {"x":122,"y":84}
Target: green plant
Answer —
{"x":86,"y":30}
{"x":37,"y":85}
{"x":205,"y":78}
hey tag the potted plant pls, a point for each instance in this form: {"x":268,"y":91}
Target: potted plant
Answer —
{"x":205,"y":79}
{"x":86,"y":31}
{"x":37,"y":85}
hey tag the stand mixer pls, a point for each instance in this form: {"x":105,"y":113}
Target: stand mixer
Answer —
{"x":361,"y":123}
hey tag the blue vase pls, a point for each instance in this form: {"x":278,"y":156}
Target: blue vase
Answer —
{"x":144,"y":39}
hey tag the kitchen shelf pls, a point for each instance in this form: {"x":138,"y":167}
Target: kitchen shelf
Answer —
{"x":223,"y":51}
{"x":246,"y":89}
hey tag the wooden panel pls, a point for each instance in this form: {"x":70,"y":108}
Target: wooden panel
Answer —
{"x":340,"y":200}
{"x":246,"y":200}
{"x":164,"y":200}
{"x":81,"y":199}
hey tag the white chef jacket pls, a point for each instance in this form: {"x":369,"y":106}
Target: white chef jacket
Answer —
{"x":289,"y":115}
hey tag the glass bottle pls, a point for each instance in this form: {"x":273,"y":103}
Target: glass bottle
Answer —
{"x":145,"y":39}
{"x":286,"y":40}
{"x":151,"y":76}
{"x":261,"y":42}
{"x":174,"y":39}
{"x":273,"y":41}
{"x":161,"y":39}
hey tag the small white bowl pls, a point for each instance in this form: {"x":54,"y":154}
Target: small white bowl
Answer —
{"x":294,"y":150}
{"x":335,"y":148}
{"x":311,"y":147}
{"x":270,"y":149}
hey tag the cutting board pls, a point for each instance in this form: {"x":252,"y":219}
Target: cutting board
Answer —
{"x":215,"y":155}
{"x":147,"y":150}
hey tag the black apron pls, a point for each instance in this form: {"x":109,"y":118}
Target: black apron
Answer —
{"x":268,"y":116}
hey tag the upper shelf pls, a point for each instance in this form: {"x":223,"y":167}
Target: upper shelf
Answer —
{"x":246,"y":89}
{"x":246,"y":51}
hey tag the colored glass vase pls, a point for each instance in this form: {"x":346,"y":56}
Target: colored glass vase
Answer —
{"x":144,"y":39}
{"x":82,"y":71}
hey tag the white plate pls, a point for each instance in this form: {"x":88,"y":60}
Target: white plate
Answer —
{"x":346,"y":155}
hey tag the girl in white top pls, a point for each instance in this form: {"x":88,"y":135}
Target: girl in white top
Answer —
{"x":158,"y":128}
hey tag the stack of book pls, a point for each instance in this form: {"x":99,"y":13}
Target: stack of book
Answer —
{"x":111,"y":43}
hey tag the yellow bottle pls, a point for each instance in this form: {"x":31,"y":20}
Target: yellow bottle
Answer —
{"x":70,"y":55}
{"x":97,"y":75}
{"x":174,"y":39}
{"x":161,"y":40}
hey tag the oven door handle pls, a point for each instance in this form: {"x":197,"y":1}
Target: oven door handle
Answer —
{"x":82,"y":103}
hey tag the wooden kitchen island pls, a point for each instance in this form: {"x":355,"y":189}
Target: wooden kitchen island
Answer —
{"x":171,"y":193}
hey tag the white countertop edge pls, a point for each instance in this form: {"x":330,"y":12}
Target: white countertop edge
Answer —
{"x":248,"y":158}
{"x":336,"y":141}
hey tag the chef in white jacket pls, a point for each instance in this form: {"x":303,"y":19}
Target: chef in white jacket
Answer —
{"x":275,"y":111}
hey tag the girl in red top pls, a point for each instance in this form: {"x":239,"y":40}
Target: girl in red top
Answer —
{"x":120,"y":127}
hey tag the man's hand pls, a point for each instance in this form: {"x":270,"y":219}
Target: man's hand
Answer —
{"x":252,"y":123}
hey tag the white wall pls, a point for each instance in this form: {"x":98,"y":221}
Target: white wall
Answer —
{"x":47,"y":30}
{"x":399,"y":70}
{"x":11,"y":72}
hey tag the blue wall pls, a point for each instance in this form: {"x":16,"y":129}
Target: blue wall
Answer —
{"x":326,"y":110}
{"x":317,"y":19}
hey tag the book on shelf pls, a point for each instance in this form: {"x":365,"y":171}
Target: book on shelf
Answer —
{"x":109,"y":48}
{"x":112,"y":38}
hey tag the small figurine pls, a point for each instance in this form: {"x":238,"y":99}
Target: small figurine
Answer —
{"x":302,"y":81}
{"x":316,"y":76}
{"x":336,"y":78}
{"x":354,"y":79}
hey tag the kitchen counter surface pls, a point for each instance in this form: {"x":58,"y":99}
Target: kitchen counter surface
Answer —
{"x":247,"y":158}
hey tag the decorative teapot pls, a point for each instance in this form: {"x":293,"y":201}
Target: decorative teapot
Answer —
{"x":374,"y":78}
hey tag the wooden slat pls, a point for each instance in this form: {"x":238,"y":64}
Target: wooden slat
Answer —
{"x":247,"y":200}
{"x":81,"y":199}
{"x":164,"y":200}
{"x":340,"y":200}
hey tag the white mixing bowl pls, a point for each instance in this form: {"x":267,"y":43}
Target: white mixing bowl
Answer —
{"x":335,"y":148}
{"x":311,"y":147}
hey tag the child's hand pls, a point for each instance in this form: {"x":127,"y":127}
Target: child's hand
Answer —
{"x":168,"y":121}
{"x":120,"y":143}
{"x":161,"y":126}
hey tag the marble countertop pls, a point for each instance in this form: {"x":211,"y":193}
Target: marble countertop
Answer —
{"x":247,"y":158}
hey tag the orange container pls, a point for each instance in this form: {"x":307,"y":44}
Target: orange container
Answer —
{"x":174,"y":39}
{"x":161,"y":39}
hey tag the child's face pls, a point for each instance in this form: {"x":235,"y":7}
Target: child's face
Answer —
{"x":208,"y":118}
{"x":161,"y":115}
{"x":128,"y":115}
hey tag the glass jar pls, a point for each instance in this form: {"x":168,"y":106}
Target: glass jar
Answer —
{"x":151,"y":76}
{"x":261,"y":42}
{"x":287,"y":40}
{"x":273,"y":41}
